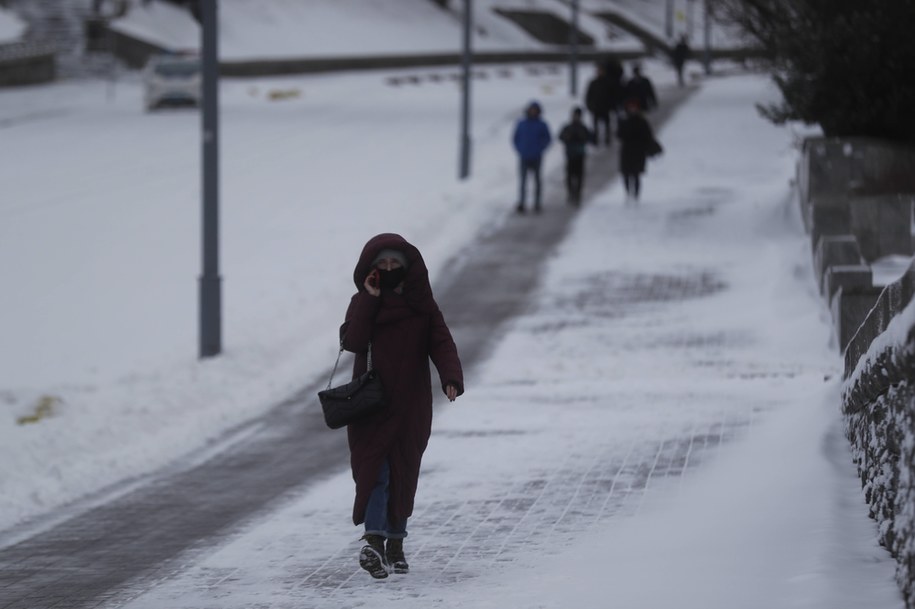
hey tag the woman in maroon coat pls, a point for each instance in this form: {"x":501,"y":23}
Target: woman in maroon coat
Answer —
{"x":394,"y":311}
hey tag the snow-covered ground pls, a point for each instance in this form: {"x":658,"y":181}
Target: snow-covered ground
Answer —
{"x":99,"y":243}
{"x":654,"y":325}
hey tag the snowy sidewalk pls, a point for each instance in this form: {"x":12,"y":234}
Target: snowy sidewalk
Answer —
{"x":137,"y":534}
{"x":659,"y":428}
{"x":652,"y":429}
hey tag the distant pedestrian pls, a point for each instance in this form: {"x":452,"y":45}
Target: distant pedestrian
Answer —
{"x":638,"y":143}
{"x":679,"y":54}
{"x":640,"y":88}
{"x":600,"y":103}
{"x":575,"y":136}
{"x":531,"y":139}
{"x":614,"y":70}
{"x":394,"y":322}
{"x":615,"y":73}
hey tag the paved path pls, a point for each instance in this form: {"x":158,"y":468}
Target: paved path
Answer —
{"x":104,"y":554}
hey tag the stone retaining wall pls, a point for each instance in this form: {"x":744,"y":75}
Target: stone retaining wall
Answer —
{"x":879,"y":410}
{"x":857,"y":199}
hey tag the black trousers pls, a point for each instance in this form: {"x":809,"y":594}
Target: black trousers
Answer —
{"x":632,"y":183}
{"x":603,"y":118}
{"x":529,"y":166}
{"x":575,"y":176}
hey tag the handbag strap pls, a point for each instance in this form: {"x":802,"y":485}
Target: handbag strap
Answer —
{"x":336,"y":363}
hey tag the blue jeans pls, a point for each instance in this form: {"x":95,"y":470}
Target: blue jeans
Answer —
{"x":376,"y":512}
{"x":532,"y":166}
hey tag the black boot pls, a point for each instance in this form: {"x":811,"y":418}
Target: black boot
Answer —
{"x":371,"y":557}
{"x":395,"y":557}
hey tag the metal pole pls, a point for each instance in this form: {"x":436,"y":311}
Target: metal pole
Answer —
{"x":707,"y":36}
{"x":669,"y":20}
{"x":573,"y":59}
{"x":690,"y":5}
{"x":465,"y":99}
{"x":210,"y":282}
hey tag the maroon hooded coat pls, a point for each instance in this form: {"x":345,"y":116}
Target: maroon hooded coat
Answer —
{"x":405,"y":330}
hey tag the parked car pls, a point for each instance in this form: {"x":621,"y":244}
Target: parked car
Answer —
{"x":172,"y":80}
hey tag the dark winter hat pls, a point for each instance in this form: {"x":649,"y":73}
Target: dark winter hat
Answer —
{"x":391,"y":253}
{"x":534,"y":105}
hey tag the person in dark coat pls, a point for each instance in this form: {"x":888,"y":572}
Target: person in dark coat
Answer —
{"x":615,"y":81}
{"x":638,"y":142}
{"x":640,"y":87}
{"x":678,"y":55}
{"x":576,"y":137}
{"x":394,"y":313}
{"x":531,"y":139}
{"x":599,"y":100}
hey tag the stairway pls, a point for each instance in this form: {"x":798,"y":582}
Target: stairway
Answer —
{"x":652,"y":41}
{"x":61,"y":24}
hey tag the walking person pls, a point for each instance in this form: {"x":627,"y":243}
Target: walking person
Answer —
{"x":576,"y":136}
{"x":679,"y":54}
{"x":394,"y":314}
{"x":615,"y":81}
{"x":531,"y":139}
{"x":638,"y":143}
{"x":599,"y":100}
{"x":640,"y":88}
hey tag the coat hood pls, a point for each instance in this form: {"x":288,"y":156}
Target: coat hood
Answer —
{"x":417,"y":291}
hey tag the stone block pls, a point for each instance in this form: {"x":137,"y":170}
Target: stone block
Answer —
{"x":875,"y":320}
{"x":882,"y":224}
{"x":835,"y":250}
{"x":829,"y":216}
{"x":846,"y":277}
{"x":891,"y":301}
{"x":850,"y":307}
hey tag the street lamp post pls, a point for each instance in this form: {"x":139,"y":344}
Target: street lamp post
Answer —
{"x":690,"y":5}
{"x":210,"y":283}
{"x":707,"y":38}
{"x":573,"y":57}
{"x":669,"y":20}
{"x":465,"y":90}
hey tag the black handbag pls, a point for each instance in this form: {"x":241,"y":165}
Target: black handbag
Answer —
{"x":358,"y":399}
{"x":653,"y":148}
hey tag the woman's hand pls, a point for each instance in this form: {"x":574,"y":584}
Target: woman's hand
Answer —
{"x":372,"y":283}
{"x":451,"y":391}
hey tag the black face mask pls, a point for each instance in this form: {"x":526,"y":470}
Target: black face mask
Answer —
{"x":391,"y":279}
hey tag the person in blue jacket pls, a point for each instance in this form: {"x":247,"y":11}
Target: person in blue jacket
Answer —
{"x":531,"y":139}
